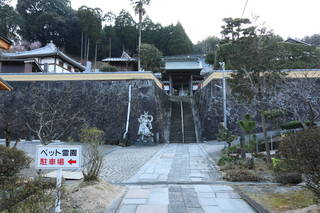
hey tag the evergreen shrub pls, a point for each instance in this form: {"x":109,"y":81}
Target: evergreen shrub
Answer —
{"x":12,"y":161}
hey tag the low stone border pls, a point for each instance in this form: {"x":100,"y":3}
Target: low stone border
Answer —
{"x":115,"y":205}
{"x":256,"y":206}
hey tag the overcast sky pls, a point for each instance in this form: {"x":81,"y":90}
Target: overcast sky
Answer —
{"x":202,"y":18}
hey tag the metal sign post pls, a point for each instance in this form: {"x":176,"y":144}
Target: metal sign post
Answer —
{"x":58,"y":158}
{"x":58,"y":196}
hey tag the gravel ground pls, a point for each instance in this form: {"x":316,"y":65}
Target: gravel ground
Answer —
{"x":124,"y":162}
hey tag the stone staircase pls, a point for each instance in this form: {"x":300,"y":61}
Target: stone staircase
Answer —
{"x":189,"y":131}
{"x":176,"y":123}
{"x":176,"y":131}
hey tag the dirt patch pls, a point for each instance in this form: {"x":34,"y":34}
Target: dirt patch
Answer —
{"x":91,"y":197}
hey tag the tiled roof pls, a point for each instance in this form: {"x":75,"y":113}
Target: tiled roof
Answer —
{"x":4,"y":85}
{"x":297,"y":41}
{"x":124,"y":57}
{"x":6,"y":40}
{"x":48,"y":50}
{"x":180,"y":63}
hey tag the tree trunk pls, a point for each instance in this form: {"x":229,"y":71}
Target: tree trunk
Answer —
{"x":110,"y":47}
{"x":243,"y":152}
{"x":88,"y":50}
{"x":81,"y":49}
{"x":264,"y":128}
{"x":95,"y":58}
{"x":7,"y":137}
{"x":242,"y":142}
{"x":85,"y":49}
{"x":139,"y":45}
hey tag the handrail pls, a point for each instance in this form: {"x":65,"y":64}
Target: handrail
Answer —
{"x":182,"y":121}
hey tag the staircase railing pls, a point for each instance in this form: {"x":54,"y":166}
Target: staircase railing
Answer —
{"x":182,"y":121}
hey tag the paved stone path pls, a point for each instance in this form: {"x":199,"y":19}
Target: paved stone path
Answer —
{"x":180,"y":178}
{"x":178,"y":163}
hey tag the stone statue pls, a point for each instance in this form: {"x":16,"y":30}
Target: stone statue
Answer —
{"x":145,"y":127}
{"x":222,"y":65}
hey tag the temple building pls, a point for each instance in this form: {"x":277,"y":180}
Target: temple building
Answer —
{"x":4,"y":85}
{"x":49,"y":58}
{"x":124,"y":63}
{"x":19,"y":66}
{"x":5,"y":43}
{"x":181,"y":76}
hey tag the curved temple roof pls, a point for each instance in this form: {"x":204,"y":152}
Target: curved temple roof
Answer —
{"x":48,"y":50}
{"x":4,"y":85}
{"x":125,"y":57}
{"x":183,"y":63}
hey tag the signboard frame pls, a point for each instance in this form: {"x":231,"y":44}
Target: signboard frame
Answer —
{"x":78,"y":147}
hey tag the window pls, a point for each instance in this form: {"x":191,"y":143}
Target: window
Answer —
{"x":61,"y":63}
{"x":69,"y":68}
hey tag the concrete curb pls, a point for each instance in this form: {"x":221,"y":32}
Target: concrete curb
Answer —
{"x":115,"y":205}
{"x":197,"y":183}
{"x":256,"y":206}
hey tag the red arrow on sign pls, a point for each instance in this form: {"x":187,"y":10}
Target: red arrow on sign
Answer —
{"x":72,"y":161}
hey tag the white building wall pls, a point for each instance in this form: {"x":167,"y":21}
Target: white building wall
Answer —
{"x":51,"y":65}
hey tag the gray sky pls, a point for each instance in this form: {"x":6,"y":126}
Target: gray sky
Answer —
{"x":203,"y":18}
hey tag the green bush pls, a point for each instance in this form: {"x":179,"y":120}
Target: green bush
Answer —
{"x":92,"y":136}
{"x":283,"y":165}
{"x":289,"y":178}
{"x":231,"y":150}
{"x":21,"y":195}
{"x":294,"y":125}
{"x":12,"y":161}
{"x":304,"y":149}
{"x":226,"y":159}
{"x":242,"y":175}
{"x":108,"y":68}
{"x":225,"y":135}
{"x":251,"y":147}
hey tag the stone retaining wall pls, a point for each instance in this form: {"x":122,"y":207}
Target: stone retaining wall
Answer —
{"x":103,"y":104}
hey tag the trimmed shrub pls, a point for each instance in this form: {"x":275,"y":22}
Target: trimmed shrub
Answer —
{"x":289,"y":178}
{"x":12,"y":161}
{"x":283,"y":165}
{"x":294,"y":125}
{"x":304,"y":149}
{"x":241,"y":175}
{"x":108,"y":68}
{"x":226,"y":159}
{"x":20,"y":195}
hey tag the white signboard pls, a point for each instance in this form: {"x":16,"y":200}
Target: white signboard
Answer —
{"x":58,"y":157}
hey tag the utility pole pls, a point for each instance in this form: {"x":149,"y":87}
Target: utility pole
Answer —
{"x":222,"y":64}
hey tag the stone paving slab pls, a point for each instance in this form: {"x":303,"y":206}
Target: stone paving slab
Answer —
{"x":180,"y":163}
{"x":182,"y":199}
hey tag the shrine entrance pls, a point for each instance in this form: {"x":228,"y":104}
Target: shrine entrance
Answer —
{"x":182,"y":76}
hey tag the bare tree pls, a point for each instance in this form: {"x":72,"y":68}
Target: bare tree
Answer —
{"x":11,"y":123}
{"x":52,"y":113}
{"x":299,"y":95}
